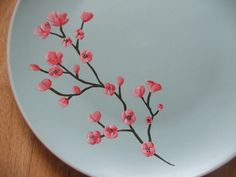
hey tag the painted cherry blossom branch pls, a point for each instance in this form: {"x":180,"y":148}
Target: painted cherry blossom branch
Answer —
{"x":57,"y":72}
{"x":72,"y":94}
{"x":151,"y":114}
{"x":76,"y":47}
{"x":102,"y":125}
{"x":76,"y":76}
{"x":128,"y":116}
{"x":47,"y":72}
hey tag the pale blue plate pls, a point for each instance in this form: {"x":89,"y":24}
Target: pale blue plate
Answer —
{"x":188,"y":45}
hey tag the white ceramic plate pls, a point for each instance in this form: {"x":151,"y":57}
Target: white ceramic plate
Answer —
{"x":188,"y":46}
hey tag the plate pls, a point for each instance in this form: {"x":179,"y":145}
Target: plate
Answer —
{"x":176,"y":55}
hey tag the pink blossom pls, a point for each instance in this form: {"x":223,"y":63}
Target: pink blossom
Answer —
{"x":86,"y":16}
{"x":86,"y":56}
{"x":34,"y":67}
{"x":55,"y":71}
{"x":160,"y":107}
{"x":148,"y":120}
{"x":128,"y":117}
{"x":148,"y":149}
{"x":54,"y":58}
{"x":94,"y":137}
{"x":120,"y":80}
{"x":79,"y":34}
{"x":76,"y":90}
{"x":58,"y":18}
{"x":64,"y":102}
{"x":109,"y":89}
{"x":43,"y":30}
{"x":153,"y":86}
{"x":139,"y":91}
{"x":111,"y":131}
{"x":45,"y":85}
{"x":76,"y":69}
{"x":67,"y":42}
{"x":95,"y":116}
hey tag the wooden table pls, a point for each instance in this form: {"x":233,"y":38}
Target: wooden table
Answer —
{"x":21,"y":154}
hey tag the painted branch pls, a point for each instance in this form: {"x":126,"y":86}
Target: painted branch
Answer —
{"x":72,"y":94}
{"x":95,"y":73}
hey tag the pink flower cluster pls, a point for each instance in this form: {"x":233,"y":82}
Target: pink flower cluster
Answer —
{"x":58,"y":19}
{"x":110,"y":131}
{"x":54,"y":58}
{"x":128,"y":117}
{"x":152,"y":87}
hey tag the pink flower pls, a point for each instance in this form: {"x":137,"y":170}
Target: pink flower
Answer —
{"x":160,"y":107}
{"x":67,"y":42}
{"x":148,"y":149}
{"x":54,"y":58}
{"x":95,"y":116}
{"x":45,"y":85}
{"x":86,"y":56}
{"x":120,"y":80}
{"x":76,"y":90}
{"x":128,"y":117}
{"x":148,"y":120}
{"x":76,"y":69}
{"x":43,"y":30}
{"x":94,"y":137}
{"x":139,"y":91}
{"x":111,"y":131}
{"x":34,"y":67}
{"x":55,"y":71}
{"x":153,"y":86}
{"x":86,"y":16}
{"x":64,"y":102}
{"x":109,"y":89}
{"x":79,"y":34}
{"x":58,"y":18}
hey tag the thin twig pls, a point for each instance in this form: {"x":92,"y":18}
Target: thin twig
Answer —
{"x":163,"y":160}
{"x":103,"y":126}
{"x":95,"y":73}
{"x":148,"y":98}
{"x":77,"y":78}
{"x":55,"y":34}
{"x":72,"y":94}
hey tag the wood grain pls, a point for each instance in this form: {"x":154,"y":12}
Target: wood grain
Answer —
{"x":21,"y":154}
